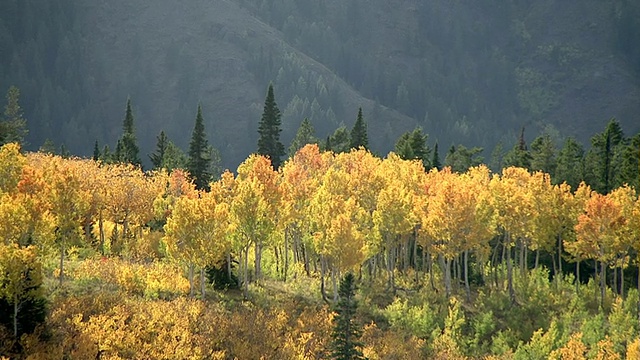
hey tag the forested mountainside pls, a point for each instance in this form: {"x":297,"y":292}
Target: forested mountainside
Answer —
{"x":467,"y":72}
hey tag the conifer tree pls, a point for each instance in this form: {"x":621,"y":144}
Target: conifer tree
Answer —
{"x":339,"y":141}
{"x":161,"y":147}
{"x":606,"y":146}
{"x":435,"y":161}
{"x":543,"y":155}
{"x":13,"y":126}
{"x":518,"y":156}
{"x":96,"y":151}
{"x":128,"y":151}
{"x":305,"y":135}
{"x":359,"y":133}
{"x":569,"y":165}
{"x":199,"y":163}
{"x":413,"y":145}
{"x":269,"y":129}
{"x":345,"y":344}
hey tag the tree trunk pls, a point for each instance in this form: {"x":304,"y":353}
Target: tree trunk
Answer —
{"x":446,"y":267}
{"x":512,"y":293}
{"x":559,"y":255}
{"x":466,"y":275}
{"x":430,"y":266}
{"x":537,"y":259}
{"x":191,"y":289}
{"x":603,"y":283}
{"x":15,"y":316}
{"x":229,"y":265}
{"x":323,"y":291}
{"x":577,"y":277}
{"x":202,"y":284}
{"x":334,"y":283}
{"x":275,"y":253}
{"x":306,"y":259}
{"x":622,"y":282}
{"x":101,"y":230}
{"x":245,"y":260}
{"x":286,"y":257}
{"x":62,"y":243}
{"x":615,"y":280}
{"x":258,"y":260}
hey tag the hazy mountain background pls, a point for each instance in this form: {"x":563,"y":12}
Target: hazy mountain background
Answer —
{"x":470,"y":72}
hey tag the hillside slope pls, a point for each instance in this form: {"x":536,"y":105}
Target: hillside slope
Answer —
{"x":471,"y":73}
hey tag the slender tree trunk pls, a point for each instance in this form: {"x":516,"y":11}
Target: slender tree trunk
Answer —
{"x":622,"y":281}
{"x":559,"y":255}
{"x":466,"y":275}
{"x":430,"y":266}
{"x":555,"y":270}
{"x":306,"y":259}
{"x":191,"y":289}
{"x":577,"y":277}
{"x":537,"y":259}
{"x":202,"y":284}
{"x":15,"y":316}
{"x":512,"y":293}
{"x":286,"y":257}
{"x":603,"y":283}
{"x":275,"y":253}
{"x":615,"y":279}
{"x":245,"y":260}
{"x":446,"y":267}
{"x":101,"y":230}
{"x":229,"y":274}
{"x":334,"y":283}
{"x":322,"y":276}
{"x":62,"y":249}
{"x":258,"y":260}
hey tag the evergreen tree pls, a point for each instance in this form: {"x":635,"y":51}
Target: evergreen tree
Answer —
{"x":13,"y":126}
{"x":460,"y":158}
{"x":48,"y":147}
{"x":543,"y":155}
{"x":569,"y":165}
{"x":413,"y":146}
{"x":518,"y":156}
{"x":630,"y":164}
{"x":339,"y":141}
{"x":106,"y":156}
{"x":269,"y":129}
{"x":175,"y":158}
{"x":435,"y":161}
{"x":157,"y":158}
{"x":96,"y":151}
{"x":200,"y":159}
{"x":606,"y":145}
{"x":497,"y":156}
{"x":345,"y":344}
{"x":359,"y":133}
{"x":128,"y":151}
{"x":305,"y":135}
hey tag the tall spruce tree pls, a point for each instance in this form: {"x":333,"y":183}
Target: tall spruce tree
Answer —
{"x":413,"y":146}
{"x":200,"y":159}
{"x":128,"y":150}
{"x":570,"y":164}
{"x":345,"y":344}
{"x":518,"y":156}
{"x":606,"y":146}
{"x":543,"y":155}
{"x":13,"y":126}
{"x":359,"y":133}
{"x":269,"y":129}
{"x":435,"y":161}
{"x":161,"y":148}
{"x":96,"y":151}
{"x":305,"y":135}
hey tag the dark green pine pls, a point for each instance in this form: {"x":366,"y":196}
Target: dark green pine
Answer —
{"x":605,"y":146}
{"x":345,"y":344}
{"x":157,"y":158}
{"x":269,"y":129}
{"x":129,"y":152}
{"x":435,"y":161}
{"x":96,"y":151}
{"x":199,"y":160}
{"x":359,"y":133}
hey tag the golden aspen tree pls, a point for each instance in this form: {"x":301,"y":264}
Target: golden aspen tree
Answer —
{"x":11,"y":163}
{"x":625,"y":198}
{"x":20,"y":277}
{"x":339,"y":226}
{"x":596,"y":233}
{"x":301,"y":176}
{"x":393,"y":218}
{"x":514,"y":210}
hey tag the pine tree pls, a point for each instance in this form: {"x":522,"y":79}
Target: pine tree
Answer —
{"x":543,"y":155}
{"x":199,"y":163}
{"x":48,"y":147}
{"x":157,"y":158}
{"x":345,"y":344}
{"x":96,"y":151}
{"x":569,"y":165}
{"x":128,"y":151}
{"x":413,"y":146}
{"x":518,"y":156}
{"x":339,"y":141}
{"x":359,"y":133}
{"x":435,"y":161}
{"x":269,"y":129}
{"x":13,"y":126}
{"x":606,"y":146}
{"x":305,"y":135}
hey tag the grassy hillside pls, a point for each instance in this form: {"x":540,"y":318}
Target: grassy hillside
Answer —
{"x":471,"y":73}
